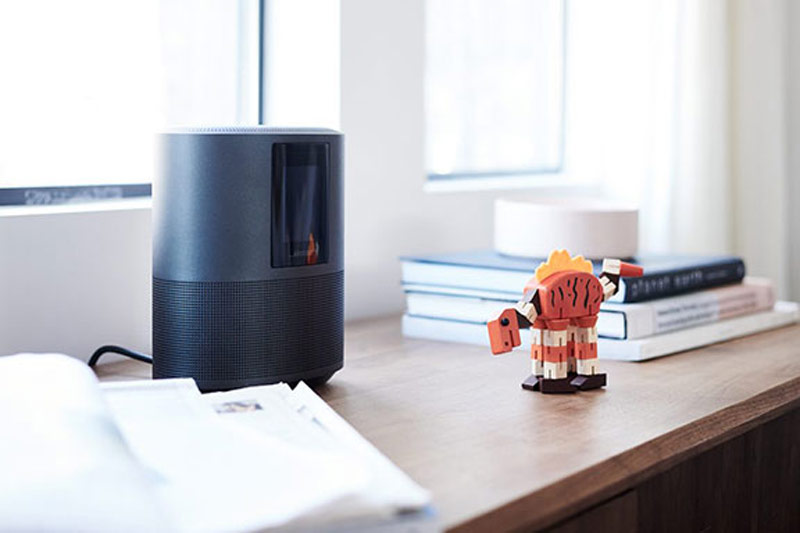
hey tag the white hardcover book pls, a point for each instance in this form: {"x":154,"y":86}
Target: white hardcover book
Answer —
{"x":783,"y":314}
{"x":464,"y":276}
{"x":694,"y":309}
{"x":461,"y":291}
{"x":472,"y":309}
{"x":463,"y":308}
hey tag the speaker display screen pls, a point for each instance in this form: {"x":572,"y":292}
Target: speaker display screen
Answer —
{"x":300,"y":174}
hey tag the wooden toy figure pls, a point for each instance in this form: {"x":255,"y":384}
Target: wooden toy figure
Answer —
{"x":560,"y":305}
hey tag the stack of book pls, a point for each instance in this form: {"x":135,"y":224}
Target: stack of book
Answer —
{"x":680,"y":303}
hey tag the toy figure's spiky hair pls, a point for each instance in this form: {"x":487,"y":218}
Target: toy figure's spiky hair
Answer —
{"x":559,"y":261}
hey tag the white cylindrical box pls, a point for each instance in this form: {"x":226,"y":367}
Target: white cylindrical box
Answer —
{"x":590,"y":227}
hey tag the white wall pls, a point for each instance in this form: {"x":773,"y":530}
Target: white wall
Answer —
{"x":387,"y":212}
{"x":72,"y":280}
{"x":792,"y":22}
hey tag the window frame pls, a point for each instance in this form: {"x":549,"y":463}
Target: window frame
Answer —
{"x":68,"y":194}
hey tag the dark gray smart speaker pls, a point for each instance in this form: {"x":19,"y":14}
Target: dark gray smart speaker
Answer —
{"x":248,"y":266}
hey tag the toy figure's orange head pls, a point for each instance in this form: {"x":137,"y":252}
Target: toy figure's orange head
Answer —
{"x":558,"y":261}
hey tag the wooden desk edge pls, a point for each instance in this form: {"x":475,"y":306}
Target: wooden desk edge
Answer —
{"x":579,"y":492}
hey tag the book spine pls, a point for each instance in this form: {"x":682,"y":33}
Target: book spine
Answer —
{"x":682,"y":281}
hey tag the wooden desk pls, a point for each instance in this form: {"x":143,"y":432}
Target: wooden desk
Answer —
{"x":705,"y":440}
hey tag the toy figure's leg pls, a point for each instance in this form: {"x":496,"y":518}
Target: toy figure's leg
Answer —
{"x":556,"y":357}
{"x":588,"y":376}
{"x":586,"y":351}
{"x":537,"y":352}
{"x":571,"y":329}
{"x":537,"y":356}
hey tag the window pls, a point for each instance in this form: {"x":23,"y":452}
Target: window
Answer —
{"x":87,"y":83}
{"x":494,"y":87}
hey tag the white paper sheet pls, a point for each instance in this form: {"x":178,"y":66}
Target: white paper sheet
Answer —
{"x":64,"y":465}
{"x":302,"y":418}
{"x":213,"y":474}
{"x":159,"y":456}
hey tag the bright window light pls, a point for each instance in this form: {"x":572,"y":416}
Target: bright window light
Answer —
{"x":87,"y":83}
{"x":494,"y":87}
{"x":301,"y":63}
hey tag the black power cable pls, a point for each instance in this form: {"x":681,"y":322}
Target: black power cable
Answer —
{"x":110,"y":348}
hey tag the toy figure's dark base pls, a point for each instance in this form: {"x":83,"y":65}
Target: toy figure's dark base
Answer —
{"x":531,"y":383}
{"x":567,"y":385}
{"x":548,"y":386}
{"x":594,"y":381}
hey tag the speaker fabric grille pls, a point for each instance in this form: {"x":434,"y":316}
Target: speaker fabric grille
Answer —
{"x":229,"y":334}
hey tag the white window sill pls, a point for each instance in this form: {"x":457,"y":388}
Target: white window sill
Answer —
{"x":126,"y":204}
{"x":555,"y":184}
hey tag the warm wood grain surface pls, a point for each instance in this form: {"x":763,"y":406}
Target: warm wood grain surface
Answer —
{"x":498,"y":457}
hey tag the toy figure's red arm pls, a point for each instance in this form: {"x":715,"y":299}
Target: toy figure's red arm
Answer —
{"x":613,"y":269}
{"x":504,"y":330}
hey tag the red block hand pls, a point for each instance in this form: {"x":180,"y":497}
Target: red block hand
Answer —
{"x":504,"y":332}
